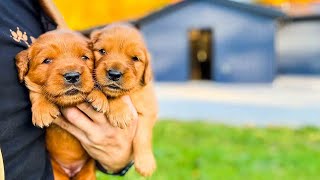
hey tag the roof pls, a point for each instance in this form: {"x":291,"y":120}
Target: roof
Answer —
{"x":254,"y":9}
{"x":312,"y":17}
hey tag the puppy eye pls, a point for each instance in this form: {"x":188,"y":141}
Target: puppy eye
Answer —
{"x":102,"y":52}
{"x":47,"y":61}
{"x":85,"y":58}
{"x":135,"y":58}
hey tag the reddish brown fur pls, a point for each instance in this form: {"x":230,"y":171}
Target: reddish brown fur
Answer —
{"x":122,"y":43}
{"x":66,"y":49}
{"x":48,"y":93}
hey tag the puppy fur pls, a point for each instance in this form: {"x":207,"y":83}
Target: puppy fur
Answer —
{"x":43,"y":67}
{"x":120,"y":49}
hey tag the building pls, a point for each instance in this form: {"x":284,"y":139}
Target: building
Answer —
{"x":220,"y":40}
{"x":298,"y":45}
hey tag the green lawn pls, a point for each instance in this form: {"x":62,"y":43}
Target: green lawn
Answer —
{"x":199,"y":150}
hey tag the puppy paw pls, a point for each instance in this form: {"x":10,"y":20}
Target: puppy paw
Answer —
{"x":98,"y":101}
{"x":120,"y":118}
{"x":43,"y":114}
{"x":145,"y":164}
{"x":120,"y":115}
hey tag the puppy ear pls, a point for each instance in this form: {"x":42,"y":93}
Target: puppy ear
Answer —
{"x":22,"y":62}
{"x":147,"y":74}
{"x":94,"y":36}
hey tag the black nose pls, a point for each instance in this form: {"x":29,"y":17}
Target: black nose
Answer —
{"x":72,"y":77}
{"x":114,"y":75}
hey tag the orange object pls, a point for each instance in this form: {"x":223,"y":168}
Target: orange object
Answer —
{"x":81,"y":14}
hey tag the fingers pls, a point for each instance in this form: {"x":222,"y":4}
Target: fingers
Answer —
{"x":80,"y":135}
{"x":91,"y":113}
{"x":78,"y":119}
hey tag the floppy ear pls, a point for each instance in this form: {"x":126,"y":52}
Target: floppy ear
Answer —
{"x":22,"y":62}
{"x":147,"y":73}
{"x":94,"y":36}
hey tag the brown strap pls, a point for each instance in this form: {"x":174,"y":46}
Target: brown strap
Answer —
{"x":52,"y":11}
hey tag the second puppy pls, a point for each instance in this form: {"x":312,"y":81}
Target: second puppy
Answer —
{"x":123,"y":67}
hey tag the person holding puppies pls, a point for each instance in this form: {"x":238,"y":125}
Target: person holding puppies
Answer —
{"x":23,"y":145}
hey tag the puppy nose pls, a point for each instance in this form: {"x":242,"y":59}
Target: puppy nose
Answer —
{"x":114,"y":75}
{"x":72,"y":77}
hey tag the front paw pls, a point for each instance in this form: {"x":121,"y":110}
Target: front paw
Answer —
{"x":44,"y":114}
{"x":98,"y":101}
{"x":121,"y":117}
{"x":145,"y":164}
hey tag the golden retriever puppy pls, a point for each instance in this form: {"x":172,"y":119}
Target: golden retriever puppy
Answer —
{"x":57,"y":69}
{"x":123,"y":67}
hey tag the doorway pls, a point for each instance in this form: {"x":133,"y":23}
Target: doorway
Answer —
{"x":200,"y":44}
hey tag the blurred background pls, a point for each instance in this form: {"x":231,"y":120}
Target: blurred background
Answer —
{"x":237,"y":82}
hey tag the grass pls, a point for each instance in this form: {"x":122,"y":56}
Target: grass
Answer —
{"x":200,"y":150}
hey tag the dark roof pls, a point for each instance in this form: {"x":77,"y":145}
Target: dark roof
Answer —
{"x":255,"y":9}
{"x":312,"y":17}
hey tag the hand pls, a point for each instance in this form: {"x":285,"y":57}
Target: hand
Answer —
{"x":109,"y":145}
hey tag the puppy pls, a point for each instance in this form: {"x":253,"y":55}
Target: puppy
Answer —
{"x":57,"y":69}
{"x":123,"y":67}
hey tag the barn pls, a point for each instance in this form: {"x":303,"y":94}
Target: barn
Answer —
{"x":219,"y":40}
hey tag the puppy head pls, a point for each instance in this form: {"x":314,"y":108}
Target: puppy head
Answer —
{"x":59,"y":63}
{"x":122,"y":60}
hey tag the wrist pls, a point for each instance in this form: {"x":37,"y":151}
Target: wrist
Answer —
{"x":116,"y":172}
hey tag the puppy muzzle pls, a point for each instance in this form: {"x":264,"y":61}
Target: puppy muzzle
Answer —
{"x":114,"y":75}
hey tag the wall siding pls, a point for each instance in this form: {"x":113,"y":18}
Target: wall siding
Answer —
{"x":298,"y":45}
{"x":243,"y":43}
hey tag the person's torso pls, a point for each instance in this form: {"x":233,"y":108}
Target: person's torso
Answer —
{"x":21,"y":143}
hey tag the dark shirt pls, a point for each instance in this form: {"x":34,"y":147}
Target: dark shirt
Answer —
{"x":22,"y":144}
